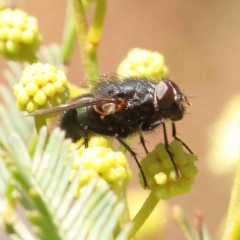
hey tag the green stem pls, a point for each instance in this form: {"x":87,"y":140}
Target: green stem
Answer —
{"x":232,"y":228}
{"x":82,"y":29}
{"x":95,"y":30}
{"x":143,"y":214}
{"x":89,"y":41}
{"x":81,"y":25}
{"x":33,"y":59}
{"x":93,"y":39}
{"x":40,"y":121}
{"x":70,"y":33}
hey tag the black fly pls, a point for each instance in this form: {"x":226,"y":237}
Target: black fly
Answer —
{"x":121,"y":108}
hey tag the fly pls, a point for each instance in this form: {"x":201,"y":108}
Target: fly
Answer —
{"x":122,"y":108}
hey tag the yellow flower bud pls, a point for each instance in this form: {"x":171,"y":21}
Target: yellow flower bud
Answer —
{"x":36,"y":87}
{"x":19,"y":35}
{"x":140,"y":62}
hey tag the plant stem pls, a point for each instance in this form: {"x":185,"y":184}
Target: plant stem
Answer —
{"x":88,"y":55}
{"x":143,"y":214}
{"x":70,"y":33}
{"x":81,"y":26}
{"x":40,"y":121}
{"x":232,"y":228}
{"x":95,"y":30}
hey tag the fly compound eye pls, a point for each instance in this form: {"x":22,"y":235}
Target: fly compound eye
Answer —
{"x":165,"y":94}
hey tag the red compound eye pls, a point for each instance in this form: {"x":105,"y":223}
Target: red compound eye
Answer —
{"x":165,"y":94}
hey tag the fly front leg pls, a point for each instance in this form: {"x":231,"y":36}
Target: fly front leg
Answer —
{"x":151,"y":124}
{"x":174,"y":133}
{"x":146,"y":126}
{"x":168,"y":151}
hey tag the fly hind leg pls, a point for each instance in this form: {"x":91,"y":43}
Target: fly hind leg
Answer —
{"x":86,"y":128}
{"x":107,"y":132}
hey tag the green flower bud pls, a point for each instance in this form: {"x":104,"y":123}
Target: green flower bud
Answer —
{"x":161,"y":175}
{"x":140,"y":62}
{"x":19,"y":37}
{"x":41,"y":86}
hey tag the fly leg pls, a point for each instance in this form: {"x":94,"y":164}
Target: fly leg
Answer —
{"x":174,"y":133}
{"x":167,"y":149}
{"x":149,"y":125}
{"x":134,"y":156}
{"x":107,"y":132}
{"x":86,"y":128}
{"x":142,"y":140}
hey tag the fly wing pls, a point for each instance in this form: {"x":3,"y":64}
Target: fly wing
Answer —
{"x":79,"y":102}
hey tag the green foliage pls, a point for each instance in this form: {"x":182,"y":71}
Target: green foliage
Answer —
{"x":34,"y":174}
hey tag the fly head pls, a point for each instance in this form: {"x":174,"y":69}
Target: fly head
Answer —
{"x":170,"y":100}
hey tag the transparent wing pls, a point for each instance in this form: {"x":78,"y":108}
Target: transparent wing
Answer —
{"x":79,"y":102}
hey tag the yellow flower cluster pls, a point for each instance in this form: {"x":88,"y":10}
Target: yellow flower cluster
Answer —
{"x":103,"y":162}
{"x":160,"y":173}
{"x":19,"y":37}
{"x":143,"y":63}
{"x":41,"y":86}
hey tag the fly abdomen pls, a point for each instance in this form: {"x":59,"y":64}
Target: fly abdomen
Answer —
{"x":70,"y":124}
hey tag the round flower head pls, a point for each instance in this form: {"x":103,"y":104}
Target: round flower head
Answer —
{"x":101,"y":161}
{"x":160,"y":173}
{"x":19,"y":37}
{"x":75,"y":91}
{"x":41,"y":86}
{"x":140,"y":62}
